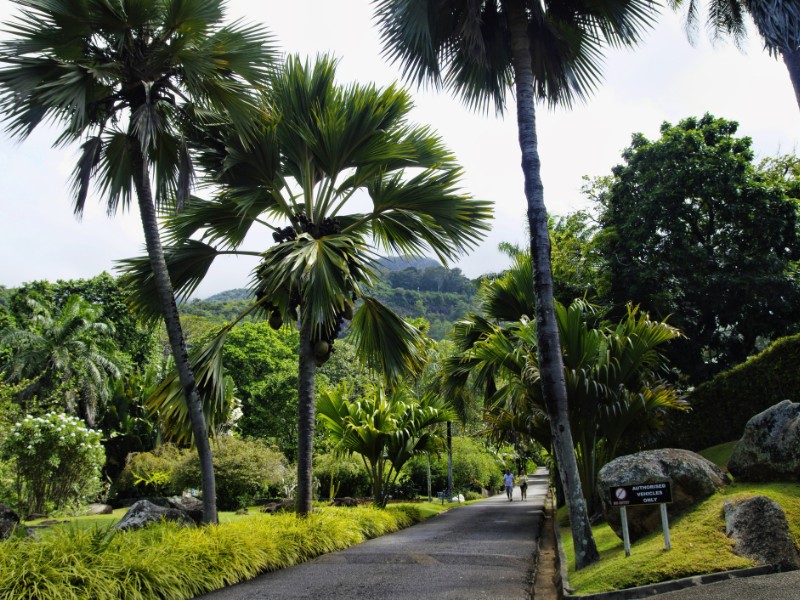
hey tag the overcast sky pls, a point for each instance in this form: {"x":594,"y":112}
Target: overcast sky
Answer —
{"x":666,"y":78}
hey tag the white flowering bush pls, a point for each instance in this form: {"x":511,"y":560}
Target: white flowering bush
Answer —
{"x":57,"y":461}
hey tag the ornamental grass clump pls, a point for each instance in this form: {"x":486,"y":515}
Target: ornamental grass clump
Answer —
{"x":56,"y":459}
{"x":169,"y":561}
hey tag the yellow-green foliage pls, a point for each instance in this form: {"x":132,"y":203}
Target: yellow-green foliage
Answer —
{"x":168,"y":561}
{"x":699,"y":544}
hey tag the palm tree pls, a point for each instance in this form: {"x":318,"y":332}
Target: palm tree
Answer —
{"x":334,"y":173}
{"x":72,"y":352}
{"x":551,"y":51}
{"x":777,"y":21}
{"x":385,"y":429}
{"x":613,"y":373}
{"x":125,"y":77}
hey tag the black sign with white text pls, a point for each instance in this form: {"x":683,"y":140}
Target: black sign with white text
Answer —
{"x":642,"y":493}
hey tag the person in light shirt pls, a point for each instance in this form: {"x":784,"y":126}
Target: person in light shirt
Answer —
{"x":508,"y":481}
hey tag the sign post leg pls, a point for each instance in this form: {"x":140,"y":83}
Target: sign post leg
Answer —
{"x":626,"y":538}
{"x":665,"y":527}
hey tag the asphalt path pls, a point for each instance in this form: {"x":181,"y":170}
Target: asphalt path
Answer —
{"x":778,"y":586}
{"x":483,"y":550}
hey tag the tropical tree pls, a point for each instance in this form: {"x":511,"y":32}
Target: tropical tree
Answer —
{"x":125,"y":77}
{"x":712,"y":240}
{"x":335,"y":173}
{"x":385,"y":429}
{"x":777,"y":22}
{"x":72,"y":351}
{"x":613,"y":373}
{"x":550,"y":51}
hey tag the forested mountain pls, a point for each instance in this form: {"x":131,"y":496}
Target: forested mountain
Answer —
{"x":411,"y":287}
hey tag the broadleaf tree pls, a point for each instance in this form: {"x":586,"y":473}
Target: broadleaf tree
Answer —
{"x":691,"y":227}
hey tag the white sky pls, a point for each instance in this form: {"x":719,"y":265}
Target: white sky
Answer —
{"x":664,"y":79}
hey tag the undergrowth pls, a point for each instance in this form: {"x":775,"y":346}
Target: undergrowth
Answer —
{"x":169,"y":561}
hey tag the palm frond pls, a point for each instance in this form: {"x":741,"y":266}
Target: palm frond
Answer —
{"x":167,"y":403}
{"x":187,"y":264}
{"x":389,"y":345}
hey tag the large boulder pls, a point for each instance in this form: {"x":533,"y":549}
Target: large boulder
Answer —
{"x":758,"y":526}
{"x":144,"y":512}
{"x":8,"y":521}
{"x":770,"y":446}
{"x":693,"y":478}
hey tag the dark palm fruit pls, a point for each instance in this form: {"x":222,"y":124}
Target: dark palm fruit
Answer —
{"x":275,"y":320}
{"x":321,"y":348}
{"x":347,"y":313}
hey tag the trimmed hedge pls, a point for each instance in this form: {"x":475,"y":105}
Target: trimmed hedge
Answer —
{"x":721,"y":407}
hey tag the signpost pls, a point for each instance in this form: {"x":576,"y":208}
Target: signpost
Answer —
{"x":638,"y":494}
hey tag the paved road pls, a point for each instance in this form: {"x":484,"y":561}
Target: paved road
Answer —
{"x":484,"y":550}
{"x":779,"y":586}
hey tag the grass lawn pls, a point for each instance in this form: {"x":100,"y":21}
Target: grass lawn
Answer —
{"x":719,"y":454}
{"x":699,"y":544}
{"x":426,"y":510}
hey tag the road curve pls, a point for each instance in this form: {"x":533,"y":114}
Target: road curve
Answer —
{"x":481,"y":551}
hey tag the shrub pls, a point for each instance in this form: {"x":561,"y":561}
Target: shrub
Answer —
{"x":244,"y":470}
{"x":168,"y":561}
{"x":474,"y":467}
{"x":150,"y":473}
{"x":56,"y":459}
{"x":722,"y":406}
{"x":350,"y":478}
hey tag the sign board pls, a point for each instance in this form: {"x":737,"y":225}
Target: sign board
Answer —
{"x":642,"y":493}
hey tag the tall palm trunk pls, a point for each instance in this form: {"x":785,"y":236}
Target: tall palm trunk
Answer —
{"x":551,"y":364}
{"x":791,"y":58}
{"x":449,"y":461}
{"x":305,"y":417}
{"x":175,"y":333}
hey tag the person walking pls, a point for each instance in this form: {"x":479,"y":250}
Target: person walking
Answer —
{"x":523,"y":485}
{"x":508,"y":480}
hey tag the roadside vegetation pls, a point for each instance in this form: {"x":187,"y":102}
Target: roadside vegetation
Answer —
{"x":166,"y":560}
{"x":665,"y":319}
{"x":698,"y":540}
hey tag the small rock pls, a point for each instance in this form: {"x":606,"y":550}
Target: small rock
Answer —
{"x":758,"y":526}
{"x":770,"y":446}
{"x":346,"y":501}
{"x":35,"y":516}
{"x":8,"y":521}
{"x":190,"y":505}
{"x":274,"y":507}
{"x":100,"y":509}
{"x":144,"y":512}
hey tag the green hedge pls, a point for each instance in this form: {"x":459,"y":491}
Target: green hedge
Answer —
{"x":168,"y":561}
{"x":721,"y":407}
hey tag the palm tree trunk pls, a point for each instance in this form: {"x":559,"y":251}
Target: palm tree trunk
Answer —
{"x":791,"y":59}
{"x":551,"y":364}
{"x":175,"y":333}
{"x":305,"y":418}
{"x":449,"y":461}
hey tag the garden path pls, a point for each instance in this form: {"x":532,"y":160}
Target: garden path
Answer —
{"x":481,"y":551}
